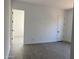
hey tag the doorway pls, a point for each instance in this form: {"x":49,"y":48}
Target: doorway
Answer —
{"x":18,"y":29}
{"x":16,"y":32}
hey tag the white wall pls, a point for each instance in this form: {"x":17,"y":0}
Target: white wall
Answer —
{"x":40,"y":22}
{"x":68,"y":19}
{"x":18,"y":23}
{"x":7,"y":10}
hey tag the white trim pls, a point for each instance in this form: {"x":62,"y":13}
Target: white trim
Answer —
{"x":41,"y":42}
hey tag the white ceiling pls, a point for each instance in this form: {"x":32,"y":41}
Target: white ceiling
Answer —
{"x":63,"y":4}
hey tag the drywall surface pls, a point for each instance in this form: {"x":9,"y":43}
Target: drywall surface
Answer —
{"x":68,"y":19}
{"x":40,"y":22}
{"x":18,"y":23}
{"x":7,"y":10}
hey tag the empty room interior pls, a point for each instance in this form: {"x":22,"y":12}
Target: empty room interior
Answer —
{"x":38,"y":29}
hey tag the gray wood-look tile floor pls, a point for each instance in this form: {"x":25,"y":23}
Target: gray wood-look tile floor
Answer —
{"x":54,"y":50}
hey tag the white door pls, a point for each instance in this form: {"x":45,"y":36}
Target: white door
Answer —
{"x":18,"y":27}
{"x":60,"y":27}
{"x":18,"y":23}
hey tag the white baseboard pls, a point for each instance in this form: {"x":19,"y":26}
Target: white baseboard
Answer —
{"x":40,"y":42}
